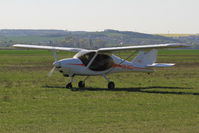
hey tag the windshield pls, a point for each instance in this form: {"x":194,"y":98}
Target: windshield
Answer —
{"x":85,"y":57}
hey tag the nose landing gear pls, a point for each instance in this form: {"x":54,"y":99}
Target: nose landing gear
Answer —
{"x":69,"y":85}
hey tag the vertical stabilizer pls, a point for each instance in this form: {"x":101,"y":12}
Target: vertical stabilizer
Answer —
{"x":145,"y":58}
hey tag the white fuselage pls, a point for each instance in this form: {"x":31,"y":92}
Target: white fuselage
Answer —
{"x":74,"y":66}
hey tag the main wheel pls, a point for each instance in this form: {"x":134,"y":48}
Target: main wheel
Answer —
{"x":69,"y":85}
{"x":111,"y":85}
{"x":81,"y":84}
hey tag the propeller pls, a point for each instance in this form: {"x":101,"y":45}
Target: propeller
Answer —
{"x":51,"y":71}
{"x":54,"y":64}
{"x":55,"y":55}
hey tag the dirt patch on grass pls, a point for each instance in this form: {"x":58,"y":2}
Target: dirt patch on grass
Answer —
{"x":25,"y":67}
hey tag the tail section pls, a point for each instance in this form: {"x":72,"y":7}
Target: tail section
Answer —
{"x":145,"y":58}
{"x":148,"y":59}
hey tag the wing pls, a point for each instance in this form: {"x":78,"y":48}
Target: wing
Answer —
{"x":141,"y":47}
{"x":47,"y":48}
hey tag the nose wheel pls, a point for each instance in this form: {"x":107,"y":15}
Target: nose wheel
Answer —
{"x":69,"y":85}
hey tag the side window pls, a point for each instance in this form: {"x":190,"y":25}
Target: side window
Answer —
{"x":101,"y":63}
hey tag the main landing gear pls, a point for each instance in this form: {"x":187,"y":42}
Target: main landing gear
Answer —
{"x":81,"y":84}
{"x":111,"y":84}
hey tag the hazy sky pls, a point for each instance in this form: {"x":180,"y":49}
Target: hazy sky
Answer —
{"x":149,"y":16}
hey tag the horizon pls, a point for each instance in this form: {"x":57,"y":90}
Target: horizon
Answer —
{"x":101,"y":31}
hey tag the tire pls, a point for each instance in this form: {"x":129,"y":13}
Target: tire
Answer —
{"x":69,"y":85}
{"x":111,"y":85}
{"x":81,"y":84}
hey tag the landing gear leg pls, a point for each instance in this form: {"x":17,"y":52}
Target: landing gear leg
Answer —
{"x":81,"y":84}
{"x":69,"y":85}
{"x":111,"y":84}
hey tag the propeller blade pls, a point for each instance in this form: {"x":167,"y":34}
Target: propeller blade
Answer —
{"x":51,"y":72}
{"x":55,"y":55}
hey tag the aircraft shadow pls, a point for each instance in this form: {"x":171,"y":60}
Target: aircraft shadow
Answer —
{"x":138,"y":89}
{"x":146,"y":90}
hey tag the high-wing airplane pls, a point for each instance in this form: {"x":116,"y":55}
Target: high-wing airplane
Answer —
{"x":102,"y":61}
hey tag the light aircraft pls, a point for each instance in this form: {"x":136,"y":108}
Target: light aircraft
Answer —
{"x":102,"y":61}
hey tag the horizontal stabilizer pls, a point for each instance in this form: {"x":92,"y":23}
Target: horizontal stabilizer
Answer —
{"x":160,"y":65}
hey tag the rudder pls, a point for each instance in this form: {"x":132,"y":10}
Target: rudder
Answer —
{"x":145,"y":58}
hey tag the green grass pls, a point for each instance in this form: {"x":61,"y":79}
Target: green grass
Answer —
{"x":165,"y":101}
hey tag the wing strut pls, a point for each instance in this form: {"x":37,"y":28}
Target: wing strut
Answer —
{"x":91,"y":61}
{"x":123,"y":60}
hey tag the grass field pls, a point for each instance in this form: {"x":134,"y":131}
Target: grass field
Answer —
{"x":165,"y":101}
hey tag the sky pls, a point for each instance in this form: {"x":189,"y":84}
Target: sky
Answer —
{"x":147,"y":16}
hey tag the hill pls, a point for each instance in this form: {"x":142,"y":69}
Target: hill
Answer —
{"x":81,"y":39}
{"x":192,"y":39}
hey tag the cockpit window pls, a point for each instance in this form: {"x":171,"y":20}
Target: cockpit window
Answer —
{"x":101,"y":62}
{"x":85,"y":58}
